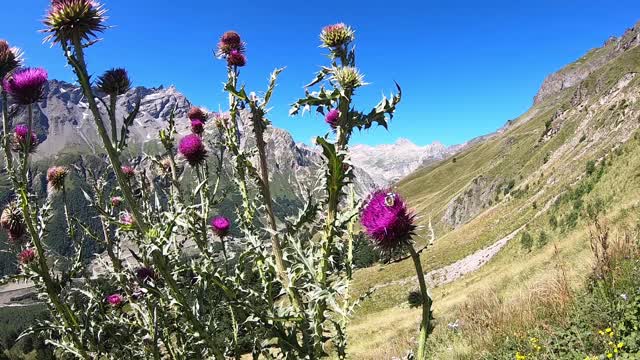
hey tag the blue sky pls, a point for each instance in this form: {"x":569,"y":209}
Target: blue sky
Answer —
{"x":466,"y":67}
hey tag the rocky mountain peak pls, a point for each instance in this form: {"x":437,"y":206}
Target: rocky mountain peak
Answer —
{"x":574,"y":73}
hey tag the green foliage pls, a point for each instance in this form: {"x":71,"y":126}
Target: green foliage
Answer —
{"x":590,"y":167}
{"x":526,"y":240}
{"x":364,"y":255}
{"x":543,"y":238}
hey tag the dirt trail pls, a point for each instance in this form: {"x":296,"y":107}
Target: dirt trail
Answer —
{"x":458,"y":269}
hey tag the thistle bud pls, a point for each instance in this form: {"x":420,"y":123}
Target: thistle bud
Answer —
{"x":347,"y":78}
{"x":26,"y":86}
{"x":12,"y":221}
{"x":67,"y":20}
{"x":337,"y":35}
{"x":114,"y":82}
{"x":10,"y":58}
{"x":55,"y":177}
{"x":197,"y":126}
{"x":19,"y":140}
{"x":26,"y":256}
{"x":116,"y":201}
{"x":220,"y":226}
{"x":386,"y":220}
{"x":192,"y":149}
{"x":128,"y":171}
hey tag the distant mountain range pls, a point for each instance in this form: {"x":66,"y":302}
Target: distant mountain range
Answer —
{"x":64,"y":124}
{"x":389,"y":163}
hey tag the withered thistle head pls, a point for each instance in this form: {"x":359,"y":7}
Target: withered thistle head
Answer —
{"x":347,"y":77}
{"x":114,"y":82}
{"x":220,"y":119}
{"x":26,"y":86}
{"x":336,"y":35}
{"x":230,"y":41}
{"x":27,"y":256}
{"x":236,"y":58}
{"x":69,"y":20}
{"x":10,"y":58}
{"x":165,"y":165}
{"x":12,"y":221}
{"x":55,"y":177}
{"x":197,"y":126}
{"x":196,"y":113}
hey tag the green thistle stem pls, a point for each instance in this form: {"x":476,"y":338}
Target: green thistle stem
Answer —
{"x":112,"y":117}
{"x":25,"y":159}
{"x":79,"y":65}
{"x":425,"y":324}
{"x":67,"y":217}
{"x":6,"y":139}
{"x":50,"y":287}
{"x":334,"y":190}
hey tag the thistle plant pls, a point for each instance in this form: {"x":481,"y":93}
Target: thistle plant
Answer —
{"x":390,"y":225}
{"x":182,"y":277}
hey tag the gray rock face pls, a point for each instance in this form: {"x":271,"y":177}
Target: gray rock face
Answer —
{"x":476,"y":197}
{"x":572,"y":75}
{"x":390,"y":162}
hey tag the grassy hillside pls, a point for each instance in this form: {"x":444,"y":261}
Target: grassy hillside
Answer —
{"x":570,"y":159}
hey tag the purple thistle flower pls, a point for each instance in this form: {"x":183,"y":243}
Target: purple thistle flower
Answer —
{"x":386,"y":220}
{"x":116,"y":201}
{"x":192,"y":148}
{"x":20,"y":139}
{"x":115,"y":300}
{"x":220,"y":226}
{"x":26,"y":256}
{"x":236,"y":58}
{"x":197,"y":126}
{"x":127,"y":219}
{"x":26,"y":86}
{"x":128,"y":171}
{"x":332,"y":118}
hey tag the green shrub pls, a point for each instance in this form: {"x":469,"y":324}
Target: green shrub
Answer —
{"x":526,"y":240}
